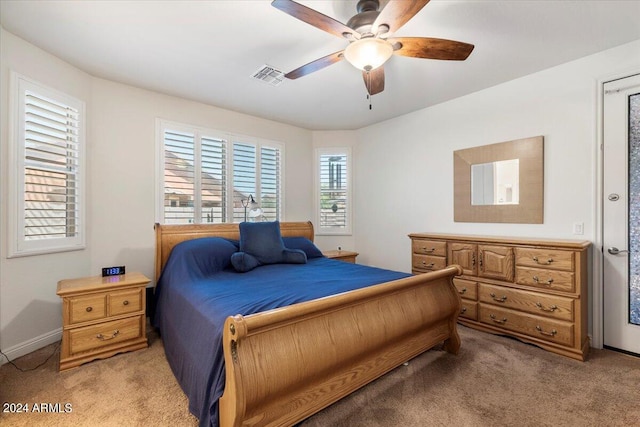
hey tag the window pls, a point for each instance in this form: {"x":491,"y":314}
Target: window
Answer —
{"x":46,"y":170}
{"x":333,"y":187}
{"x":209,"y":176}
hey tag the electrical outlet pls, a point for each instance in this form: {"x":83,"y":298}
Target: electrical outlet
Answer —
{"x":578,"y":228}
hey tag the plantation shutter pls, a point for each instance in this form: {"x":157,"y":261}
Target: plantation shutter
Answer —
{"x":214,"y":180}
{"x":244,"y":177}
{"x":51,"y":169}
{"x":179,"y":177}
{"x":334,"y":206}
{"x":270,"y":171}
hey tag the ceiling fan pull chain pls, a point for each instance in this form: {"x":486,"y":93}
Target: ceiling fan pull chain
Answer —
{"x":368,"y":86}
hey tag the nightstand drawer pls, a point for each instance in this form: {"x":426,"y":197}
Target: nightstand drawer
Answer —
{"x":104,"y":334}
{"x":125,"y":302}
{"x":92,"y":307}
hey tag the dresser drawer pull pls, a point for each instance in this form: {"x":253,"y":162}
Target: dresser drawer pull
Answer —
{"x":464,"y":310}
{"x":493,"y":317}
{"x":549,"y":334}
{"x":503,"y":298}
{"x":104,"y":338}
{"x":424,"y":248}
{"x":551,"y":309}
{"x":537,"y":280}
{"x":547,"y":262}
{"x":89,"y":309}
{"x":424,"y":263}
{"x":462,"y":291}
{"x":125,"y":302}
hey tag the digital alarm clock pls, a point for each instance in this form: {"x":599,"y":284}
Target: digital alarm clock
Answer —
{"x":112,"y":271}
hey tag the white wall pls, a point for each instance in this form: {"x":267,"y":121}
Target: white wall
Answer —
{"x":30,"y":310}
{"x":121,"y":153}
{"x":406,"y":163}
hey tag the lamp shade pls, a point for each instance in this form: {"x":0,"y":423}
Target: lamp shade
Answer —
{"x":368,"y":53}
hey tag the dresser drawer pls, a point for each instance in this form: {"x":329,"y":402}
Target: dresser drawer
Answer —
{"x":125,"y":302}
{"x":89,"y":338}
{"x":467,"y":289}
{"x":534,"y":326}
{"x":469,"y":310}
{"x":85,"y":308}
{"x":545,"y":279}
{"x":429,"y":247}
{"x":531,"y":302}
{"x":545,"y":258}
{"x":428,"y":262}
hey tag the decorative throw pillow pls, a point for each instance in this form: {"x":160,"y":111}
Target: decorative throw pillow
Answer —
{"x":260,"y":244}
{"x":304,"y":244}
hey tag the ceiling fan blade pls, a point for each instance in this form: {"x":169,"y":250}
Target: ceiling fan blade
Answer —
{"x":315,"y":18}
{"x":316,"y":65}
{"x":431,"y":48}
{"x":397,"y":12}
{"x":374,"y":80}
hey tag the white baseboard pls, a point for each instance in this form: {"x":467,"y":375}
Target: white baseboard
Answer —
{"x":32,"y":345}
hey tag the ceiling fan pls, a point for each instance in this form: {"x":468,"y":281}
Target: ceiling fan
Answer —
{"x":369,"y":43}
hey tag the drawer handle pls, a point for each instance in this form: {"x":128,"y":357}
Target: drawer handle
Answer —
{"x":537,"y":280}
{"x":464,"y":310}
{"x":547,"y":262}
{"x":493,"y":317}
{"x":104,"y":338}
{"x":551,"y":309}
{"x":503,"y":298}
{"x":424,"y":263}
{"x":462,"y":291}
{"x":125,"y":302}
{"x":424,"y":248}
{"x":549,"y":334}
{"x":89,"y":309}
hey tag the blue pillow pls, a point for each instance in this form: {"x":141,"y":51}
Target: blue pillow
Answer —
{"x":260,"y":244}
{"x":203,"y":256}
{"x":303,"y":244}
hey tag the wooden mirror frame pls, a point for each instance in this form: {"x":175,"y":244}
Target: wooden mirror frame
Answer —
{"x":530,"y":152}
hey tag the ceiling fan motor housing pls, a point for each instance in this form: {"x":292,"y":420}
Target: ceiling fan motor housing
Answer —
{"x":367,"y":14}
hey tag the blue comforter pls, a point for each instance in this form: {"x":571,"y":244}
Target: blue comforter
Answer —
{"x":198,"y":290}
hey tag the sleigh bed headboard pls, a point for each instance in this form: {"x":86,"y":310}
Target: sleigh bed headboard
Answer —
{"x":167,"y":236}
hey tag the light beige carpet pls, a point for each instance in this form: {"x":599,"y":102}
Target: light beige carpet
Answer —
{"x":494,"y":381}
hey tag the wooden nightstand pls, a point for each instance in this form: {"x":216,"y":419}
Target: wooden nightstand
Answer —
{"x":101,"y":316}
{"x":346,"y":256}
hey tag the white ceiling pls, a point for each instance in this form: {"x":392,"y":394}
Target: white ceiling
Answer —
{"x":207,"y":50}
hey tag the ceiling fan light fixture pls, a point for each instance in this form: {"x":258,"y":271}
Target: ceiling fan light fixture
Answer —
{"x":368,"y":53}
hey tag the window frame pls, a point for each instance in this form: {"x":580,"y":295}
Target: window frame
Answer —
{"x":18,"y":245}
{"x":230,"y":139}
{"x":331,"y":231}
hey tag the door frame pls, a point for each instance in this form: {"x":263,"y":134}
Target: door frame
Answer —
{"x":597,"y":297}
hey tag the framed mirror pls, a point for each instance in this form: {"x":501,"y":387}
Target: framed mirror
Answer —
{"x":501,"y":182}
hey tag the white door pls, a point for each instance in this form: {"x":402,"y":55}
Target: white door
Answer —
{"x":621,"y":215}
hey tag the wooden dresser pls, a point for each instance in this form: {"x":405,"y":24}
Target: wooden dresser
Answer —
{"x":101,"y":316}
{"x":531,"y":289}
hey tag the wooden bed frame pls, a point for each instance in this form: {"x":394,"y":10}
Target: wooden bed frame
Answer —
{"x":284,"y":365}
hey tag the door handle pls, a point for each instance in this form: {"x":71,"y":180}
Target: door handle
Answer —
{"x":615,"y":251}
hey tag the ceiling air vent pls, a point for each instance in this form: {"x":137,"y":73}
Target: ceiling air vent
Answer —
{"x":269,"y":75}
